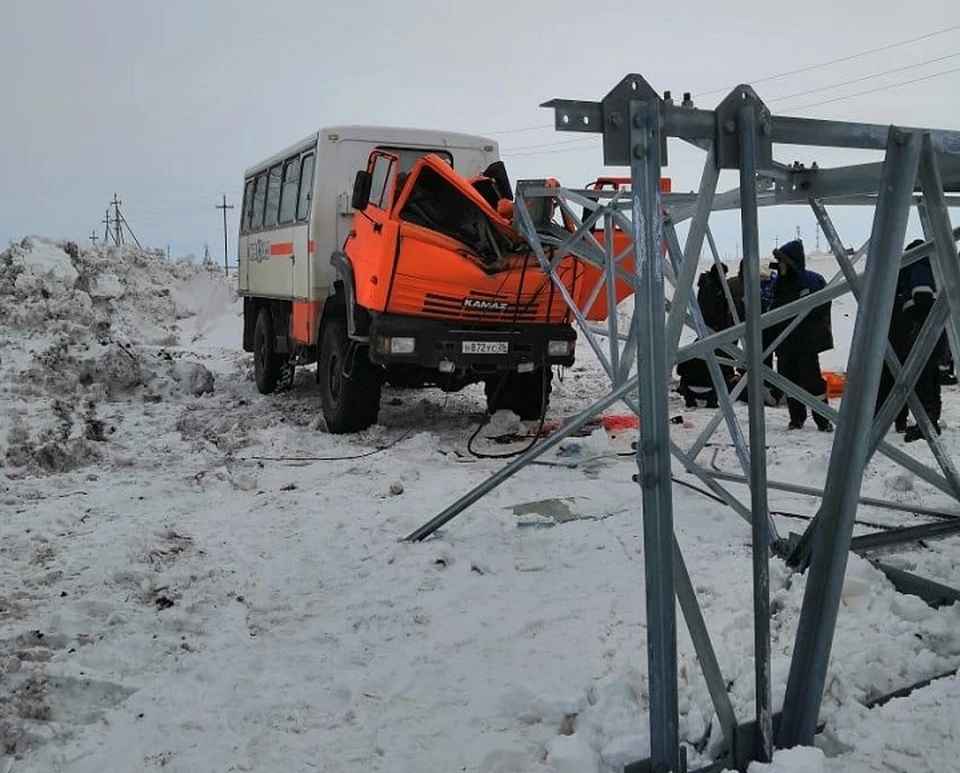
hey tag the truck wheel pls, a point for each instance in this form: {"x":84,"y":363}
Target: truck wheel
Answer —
{"x":526,"y":394}
{"x":350,"y":403}
{"x":267,"y":364}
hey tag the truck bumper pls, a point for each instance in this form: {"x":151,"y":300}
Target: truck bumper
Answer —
{"x":448,"y":346}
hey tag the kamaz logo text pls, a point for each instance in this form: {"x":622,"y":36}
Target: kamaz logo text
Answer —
{"x":480,"y":305}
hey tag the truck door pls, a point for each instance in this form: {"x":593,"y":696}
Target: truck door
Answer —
{"x":371,"y":245}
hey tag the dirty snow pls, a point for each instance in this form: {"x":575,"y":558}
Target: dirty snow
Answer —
{"x":197,"y":577}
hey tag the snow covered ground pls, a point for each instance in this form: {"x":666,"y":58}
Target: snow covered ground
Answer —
{"x":196,"y":577}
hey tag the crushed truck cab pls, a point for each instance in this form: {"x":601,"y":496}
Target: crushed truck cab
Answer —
{"x":445,"y":282}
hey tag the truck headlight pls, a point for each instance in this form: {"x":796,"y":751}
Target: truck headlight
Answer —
{"x":396,"y":345}
{"x":560,"y":348}
{"x":403,"y":345}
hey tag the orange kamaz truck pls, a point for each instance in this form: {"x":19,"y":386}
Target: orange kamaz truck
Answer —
{"x":389,"y":256}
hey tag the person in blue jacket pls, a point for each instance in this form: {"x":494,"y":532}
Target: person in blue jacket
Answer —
{"x":916,"y":292}
{"x":798,"y":355}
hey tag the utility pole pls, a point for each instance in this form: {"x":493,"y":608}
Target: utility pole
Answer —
{"x":118,"y":234}
{"x":817,"y":232}
{"x":94,"y":237}
{"x":106,"y":226}
{"x":798,"y":233}
{"x":224,"y":206}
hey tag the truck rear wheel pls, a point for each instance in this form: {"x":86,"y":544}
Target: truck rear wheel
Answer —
{"x":526,"y":394}
{"x":268,"y":366}
{"x":350,"y":402}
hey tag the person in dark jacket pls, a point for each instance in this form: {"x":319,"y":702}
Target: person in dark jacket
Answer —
{"x":772,"y":395}
{"x":916,"y":292}
{"x":695,"y":381}
{"x":798,"y":355}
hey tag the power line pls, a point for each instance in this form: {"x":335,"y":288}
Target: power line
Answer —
{"x":591,"y":146}
{"x":864,"y":78}
{"x":765,"y":79}
{"x":521,"y":129}
{"x":880,"y":88}
{"x":551,"y":144}
{"x":839,"y":60}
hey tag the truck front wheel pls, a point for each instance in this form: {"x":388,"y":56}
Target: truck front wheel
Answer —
{"x":526,"y":394}
{"x":349,"y":381}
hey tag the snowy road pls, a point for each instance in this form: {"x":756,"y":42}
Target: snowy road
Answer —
{"x":169,"y":600}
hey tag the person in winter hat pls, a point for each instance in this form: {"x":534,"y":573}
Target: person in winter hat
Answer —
{"x":768,"y":277}
{"x":695,"y":382}
{"x":916,"y":292}
{"x":798,"y":355}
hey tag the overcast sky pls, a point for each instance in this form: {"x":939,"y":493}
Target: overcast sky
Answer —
{"x":166,"y":103}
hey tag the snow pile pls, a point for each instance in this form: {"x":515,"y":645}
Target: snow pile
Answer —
{"x":83,"y":328}
{"x":801,"y":759}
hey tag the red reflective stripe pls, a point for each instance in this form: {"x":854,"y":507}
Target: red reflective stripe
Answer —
{"x":281,"y":248}
{"x":310,"y":246}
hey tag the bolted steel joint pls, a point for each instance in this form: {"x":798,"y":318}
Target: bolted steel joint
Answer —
{"x":639,"y":152}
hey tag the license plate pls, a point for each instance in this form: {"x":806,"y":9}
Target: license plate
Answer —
{"x":485,"y":347}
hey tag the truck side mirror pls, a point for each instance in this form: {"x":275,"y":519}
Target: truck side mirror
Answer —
{"x":361,"y":190}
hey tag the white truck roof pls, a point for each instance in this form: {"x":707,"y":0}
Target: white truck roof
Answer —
{"x":381,"y":135}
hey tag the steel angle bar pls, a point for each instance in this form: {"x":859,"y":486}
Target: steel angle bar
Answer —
{"x":499,"y":477}
{"x":945,"y":259}
{"x":529,"y":232}
{"x":905,"y":379}
{"x":891,"y":452}
{"x":712,"y":674}
{"x":653,"y":448}
{"x":716,"y":375}
{"x":581,"y":229}
{"x":890,"y":537}
{"x":629,"y":354}
{"x":925,"y":223}
{"x":796,"y":488}
{"x":723,"y":278}
{"x":934,"y":593}
{"x":829,"y":293}
{"x":691,"y":252}
{"x":706,"y":477}
{"x":831,"y":542}
{"x":588,"y":234}
{"x":904,"y":387}
{"x":711,"y":427}
{"x":841,"y":134}
{"x":747,"y":126}
{"x":743,"y":383}
{"x":611,"y":282}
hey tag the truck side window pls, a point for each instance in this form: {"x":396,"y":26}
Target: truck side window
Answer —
{"x":273,"y":197}
{"x":288,"y":190}
{"x":380,"y":182}
{"x":259,"y":196}
{"x":306,"y":185}
{"x":247,"y":206}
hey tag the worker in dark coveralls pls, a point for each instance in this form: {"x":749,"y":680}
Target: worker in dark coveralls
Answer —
{"x":916,"y":292}
{"x":695,"y":381}
{"x":798,"y":356}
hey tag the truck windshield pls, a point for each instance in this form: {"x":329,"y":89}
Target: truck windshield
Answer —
{"x":409,"y":156}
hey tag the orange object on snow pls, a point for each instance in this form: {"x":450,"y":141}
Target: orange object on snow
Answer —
{"x":835,"y":383}
{"x":614,"y":423}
